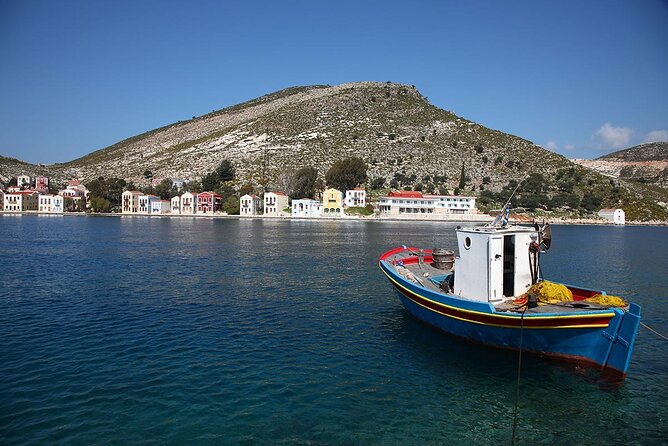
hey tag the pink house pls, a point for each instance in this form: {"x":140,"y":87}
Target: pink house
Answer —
{"x":208,"y":202}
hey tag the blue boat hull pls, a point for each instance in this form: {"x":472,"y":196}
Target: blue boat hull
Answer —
{"x":603,"y":339}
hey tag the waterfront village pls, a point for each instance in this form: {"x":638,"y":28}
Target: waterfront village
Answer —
{"x":31,"y":195}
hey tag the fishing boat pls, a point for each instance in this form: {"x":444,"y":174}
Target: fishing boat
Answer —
{"x":487,"y":294}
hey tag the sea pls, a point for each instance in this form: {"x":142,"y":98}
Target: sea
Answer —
{"x":144,"y":330}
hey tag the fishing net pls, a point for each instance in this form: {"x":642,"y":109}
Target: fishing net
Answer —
{"x":609,"y":301}
{"x":550,"y":292}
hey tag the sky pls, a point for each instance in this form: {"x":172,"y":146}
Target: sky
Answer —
{"x":581,"y":78}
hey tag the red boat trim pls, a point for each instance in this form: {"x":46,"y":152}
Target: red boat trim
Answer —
{"x":598,"y":320}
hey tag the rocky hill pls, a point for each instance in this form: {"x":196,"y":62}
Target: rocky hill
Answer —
{"x":645,"y":163}
{"x":392,"y":127}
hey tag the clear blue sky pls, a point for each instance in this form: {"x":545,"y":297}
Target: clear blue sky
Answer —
{"x":581,"y":77}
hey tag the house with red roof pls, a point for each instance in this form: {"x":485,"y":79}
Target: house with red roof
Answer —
{"x":414,"y":202}
{"x":130,"y":201}
{"x":209,"y":202}
{"x":355,"y":197}
{"x":25,"y":200}
{"x":189,"y":203}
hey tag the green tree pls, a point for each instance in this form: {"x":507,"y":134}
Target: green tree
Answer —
{"x":225,"y":171}
{"x":377,"y":183}
{"x":164,"y":189}
{"x":246,"y":189}
{"x":193,"y":187}
{"x":462,"y":179}
{"x":346,"y":174}
{"x":231,"y":205}
{"x":148,"y":174}
{"x":305,"y":183}
{"x":99,"y":204}
{"x":210,"y":181}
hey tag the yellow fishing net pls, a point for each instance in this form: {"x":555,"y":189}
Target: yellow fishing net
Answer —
{"x":610,"y":301}
{"x":550,"y":292}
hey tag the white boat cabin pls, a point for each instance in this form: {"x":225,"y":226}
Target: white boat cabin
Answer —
{"x":493,"y":262}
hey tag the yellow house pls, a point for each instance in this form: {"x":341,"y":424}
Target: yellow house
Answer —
{"x":332,"y":203}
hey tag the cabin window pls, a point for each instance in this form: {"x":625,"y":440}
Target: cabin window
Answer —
{"x":467,"y":242}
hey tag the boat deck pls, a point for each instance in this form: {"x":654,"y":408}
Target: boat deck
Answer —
{"x":426,"y":275}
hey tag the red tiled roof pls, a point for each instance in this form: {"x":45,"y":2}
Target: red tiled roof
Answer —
{"x":405,"y":194}
{"x":279,"y":193}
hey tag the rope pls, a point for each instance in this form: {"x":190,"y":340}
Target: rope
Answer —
{"x":517,"y":387}
{"x":653,"y":330}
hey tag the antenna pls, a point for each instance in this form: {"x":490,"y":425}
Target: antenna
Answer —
{"x":505,"y":209}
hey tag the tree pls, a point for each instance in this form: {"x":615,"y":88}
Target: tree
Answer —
{"x":148,"y":174}
{"x":305,"y":183}
{"x":377,"y":183}
{"x":232,"y":205}
{"x":346,"y":174}
{"x":210,"y":181}
{"x":99,"y":204}
{"x":193,"y":186}
{"x":164,"y":189}
{"x":462,"y":179}
{"x":246,"y":189}
{"x":225,"y":171}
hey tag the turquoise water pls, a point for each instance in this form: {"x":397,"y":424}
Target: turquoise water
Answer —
{"x":212,"y":331}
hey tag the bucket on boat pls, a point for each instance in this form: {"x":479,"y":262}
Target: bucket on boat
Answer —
{"x":443,"y":258}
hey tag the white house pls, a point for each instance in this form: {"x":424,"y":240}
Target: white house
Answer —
{"x":21,"y":201}
{"x":249,"y":205}
{"x":50,"y":204}
{"x":189,"y":203}
{"x":145,"y":203}
{"x":617,"y":216}
{"x":130,"y":202}
{"x":23,"y":181}
{"x":355,"y":197}
{"x":176,"y":205}
{"x":178,"y":184}
{"x":160,"y":206}
{"x":274,"y":203}
{"x":414,"y":202}
{"x":306,"y":208}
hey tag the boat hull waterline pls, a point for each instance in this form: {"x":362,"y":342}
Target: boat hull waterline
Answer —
{"x":602,"y":339}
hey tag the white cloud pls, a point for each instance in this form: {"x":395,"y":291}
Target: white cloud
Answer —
{"x":612,"y":137}
{"x":569,"y":147}
{"x":657,"y":136}
{"x":551,"y":145}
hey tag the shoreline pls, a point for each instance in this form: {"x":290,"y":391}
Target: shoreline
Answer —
{"x":473,"y":218}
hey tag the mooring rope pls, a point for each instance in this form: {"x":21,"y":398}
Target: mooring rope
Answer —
{"x":653,"y":330}
{"x":519,"y":372}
